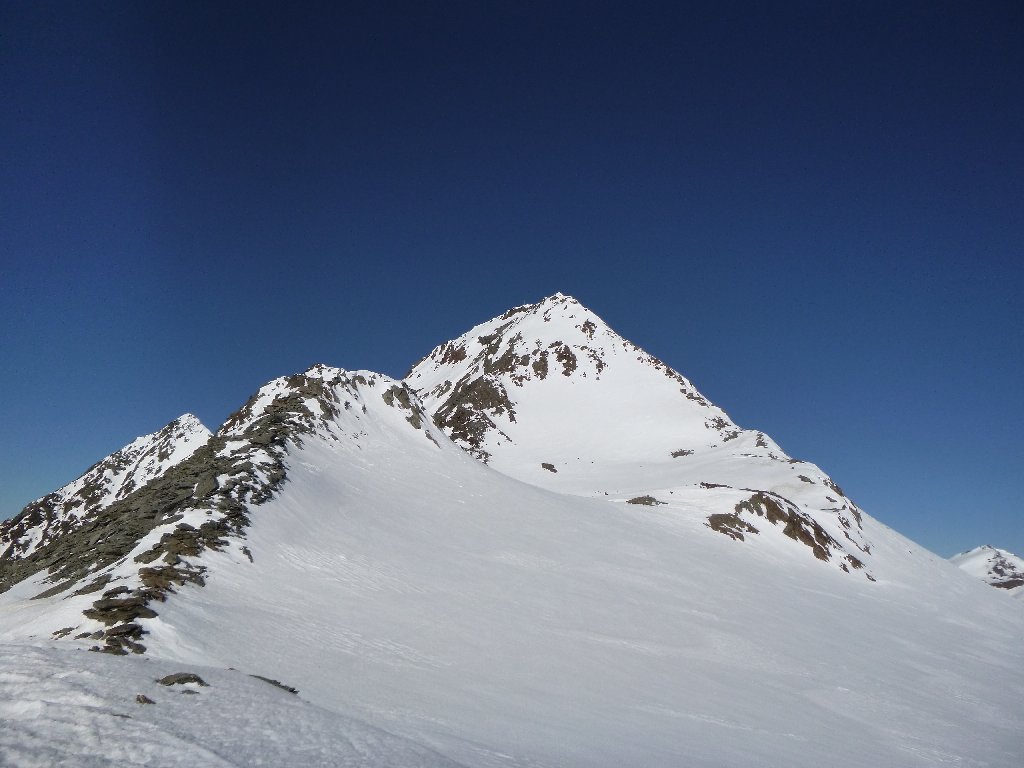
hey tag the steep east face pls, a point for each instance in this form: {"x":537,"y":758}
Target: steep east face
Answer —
{"x":997,"y":567}
{"x":549,"y":394}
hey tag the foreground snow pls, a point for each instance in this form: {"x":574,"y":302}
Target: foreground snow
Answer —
{"x":62,"y":707}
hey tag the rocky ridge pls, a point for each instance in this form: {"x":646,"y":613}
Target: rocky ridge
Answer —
{"x":606,"y":589}
{"x":546,"y":393}
{"x":108,"y":481}
{"x":144,"y":545}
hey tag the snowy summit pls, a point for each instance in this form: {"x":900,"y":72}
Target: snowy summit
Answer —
{"x":543,"y":547}
{"x":997,"y":567}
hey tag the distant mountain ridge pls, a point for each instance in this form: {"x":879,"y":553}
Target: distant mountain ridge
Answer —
{"x":997,"y":567}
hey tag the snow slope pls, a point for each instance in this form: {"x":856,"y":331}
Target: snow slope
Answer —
{"x":332,"y":537}
{"x":407,"y":585}
{"x":993,"y":566}
{"x":61,"y":707}
{"x":100,"y":580}
{"x":549,"y":394}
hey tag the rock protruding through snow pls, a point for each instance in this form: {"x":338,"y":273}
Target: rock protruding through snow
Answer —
{"x":552,"y":396}
{"x":149,"y":542}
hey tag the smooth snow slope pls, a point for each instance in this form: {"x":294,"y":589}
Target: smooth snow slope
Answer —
{"x":400,"y":582}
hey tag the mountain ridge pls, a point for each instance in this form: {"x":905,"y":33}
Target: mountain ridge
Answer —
{"x":150,"y":539}
{"x":626,"y":606}
{"x":105,"y":482}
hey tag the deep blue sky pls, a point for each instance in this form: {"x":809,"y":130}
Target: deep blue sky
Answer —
{"x":814,"y":211}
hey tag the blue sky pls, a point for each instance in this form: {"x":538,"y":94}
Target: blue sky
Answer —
{"x":814,"y":211}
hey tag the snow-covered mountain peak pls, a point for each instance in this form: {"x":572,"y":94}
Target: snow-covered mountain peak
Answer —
{"x":549,"y":394}
{"x":997,"y":567}
{"x":107,"y":481}
{"x":478,"y":383}
{"x":149,"y":455}
{"x":188,"y":422}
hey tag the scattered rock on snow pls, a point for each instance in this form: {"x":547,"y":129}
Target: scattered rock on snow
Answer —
{"x":276,"y":683}
{"x":647,"y":501}
{"x":182,"y":678}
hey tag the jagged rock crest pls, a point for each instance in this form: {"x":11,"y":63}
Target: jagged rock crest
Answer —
{"x":148,"y":539}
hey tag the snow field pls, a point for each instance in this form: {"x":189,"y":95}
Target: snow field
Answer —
{"x":64,"y":707}
{"x":503,"y":624}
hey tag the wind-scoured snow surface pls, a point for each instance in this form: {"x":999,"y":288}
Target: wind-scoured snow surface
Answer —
{"x":997,"y":567}
{"x":61,"y":707}
{"x":503,"y":619}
